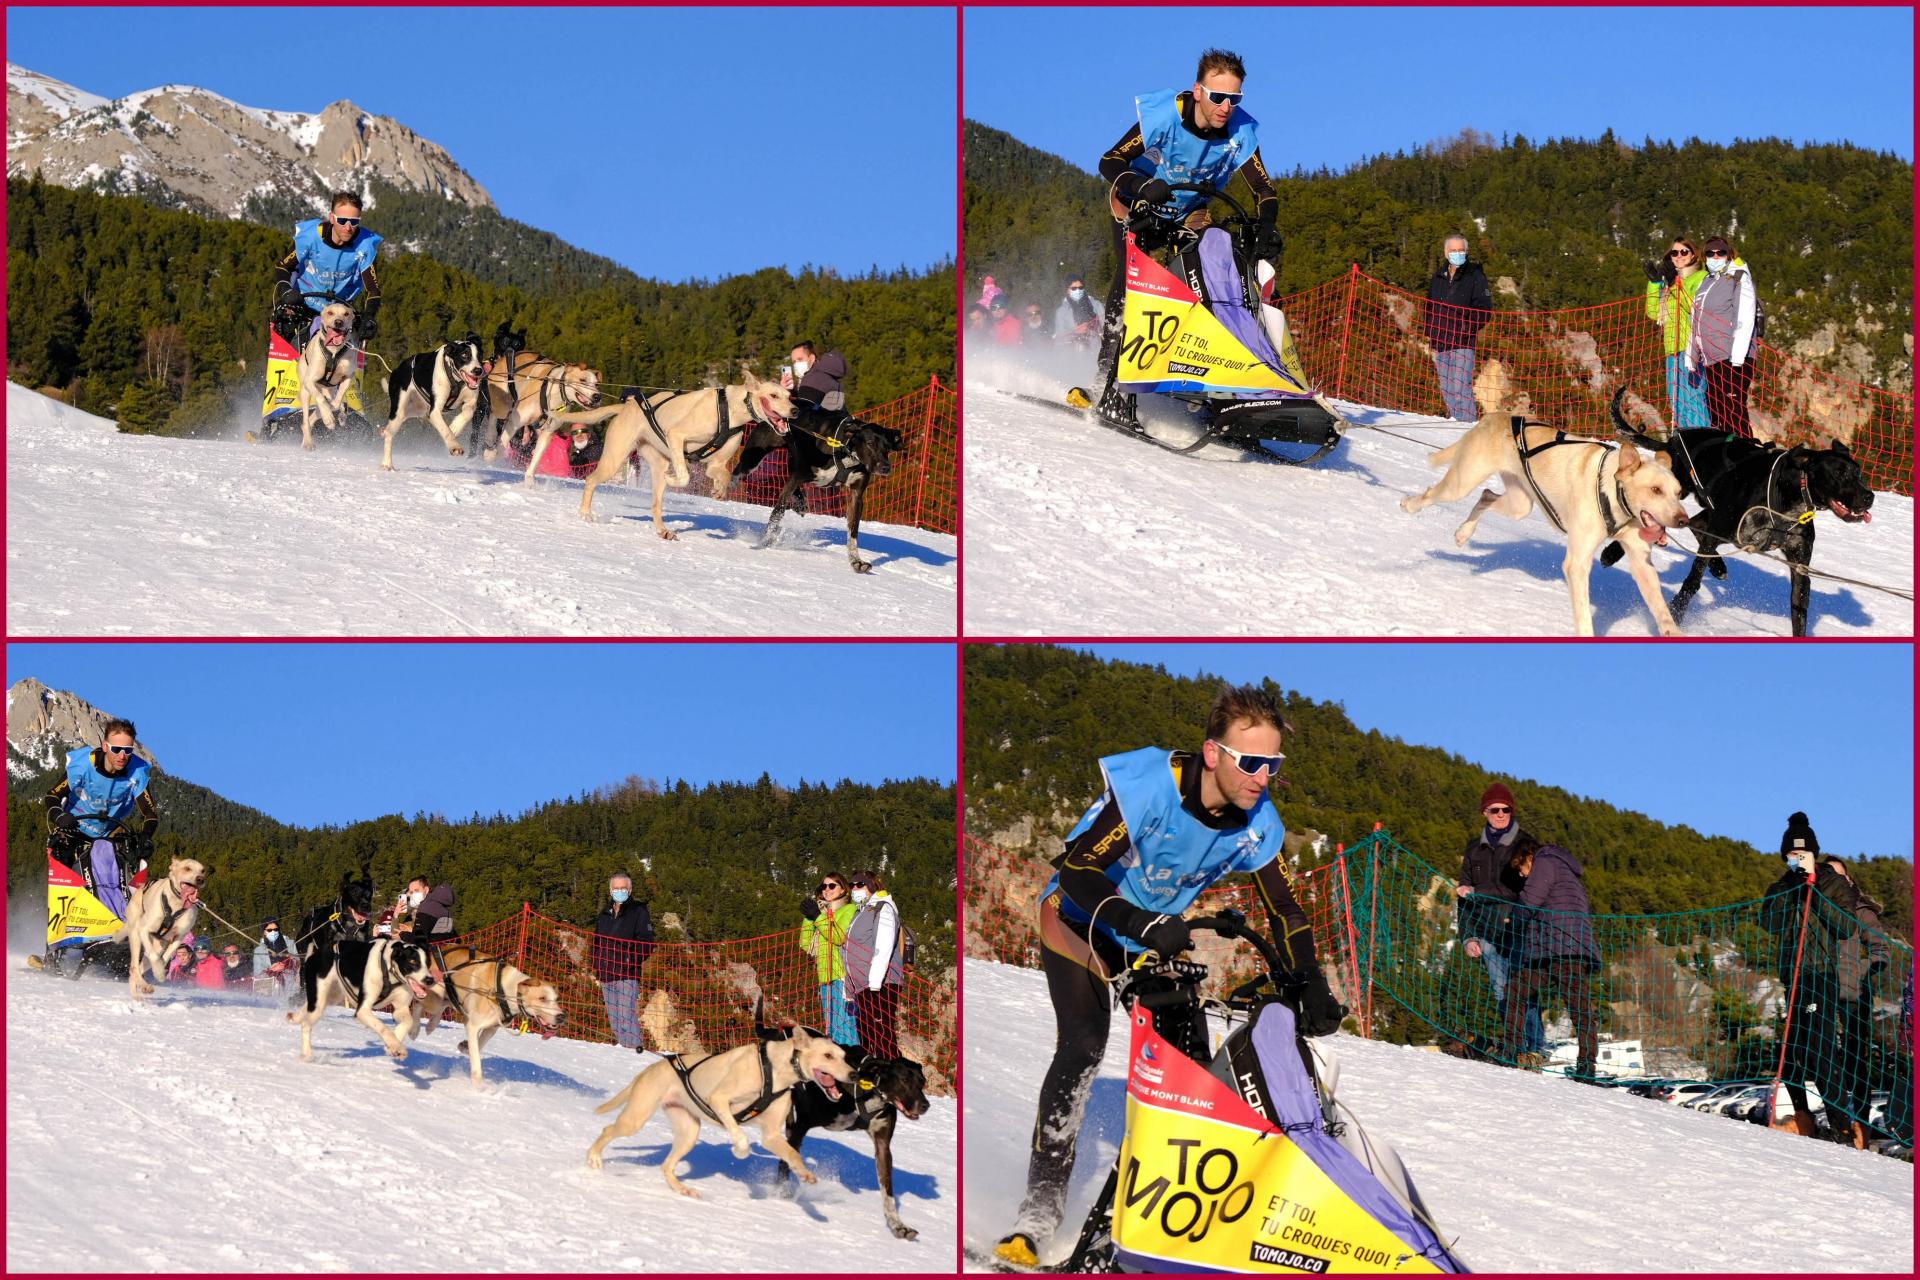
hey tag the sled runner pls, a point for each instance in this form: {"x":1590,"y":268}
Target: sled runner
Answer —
{"x":281,"y":407}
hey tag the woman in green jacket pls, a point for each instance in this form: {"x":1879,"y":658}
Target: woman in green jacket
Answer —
{"x":822,"y":936}
{"x":1670,"y":287}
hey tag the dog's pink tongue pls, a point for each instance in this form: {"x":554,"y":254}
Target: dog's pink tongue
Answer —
{"x":1653,"y":533}
{"x":191,"y":893}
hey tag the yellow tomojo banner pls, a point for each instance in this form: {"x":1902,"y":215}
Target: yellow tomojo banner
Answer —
{"x":1206,"y":1184}
{"x":1172,"y":342}
{"x":73,"y":913}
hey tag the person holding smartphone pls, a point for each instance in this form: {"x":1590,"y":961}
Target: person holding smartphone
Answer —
{"x":823,"y":935}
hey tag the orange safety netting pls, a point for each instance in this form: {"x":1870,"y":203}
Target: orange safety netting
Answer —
{"x":699,"y":997}
{"x":1365,"y":341}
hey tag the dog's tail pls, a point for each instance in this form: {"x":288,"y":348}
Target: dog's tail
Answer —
{"x":619,"y":1099}
{"x":1626,"y":429}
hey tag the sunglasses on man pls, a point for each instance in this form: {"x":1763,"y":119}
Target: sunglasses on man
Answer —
{"x":1250,"y":764}
{"x":1496,"y":809}
{"x":120,"y":751}
{"x":1220,"y":98}
{"x":345,"y":222}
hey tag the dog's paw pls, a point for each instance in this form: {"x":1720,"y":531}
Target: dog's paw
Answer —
{"x":456,"y":451}
{"x":593,"y":1159}
{"x":688,"y":1192}
{"x":1669,"y":629}
{"x":489,"y":454}
{"x":668,"y":535}
{"x":307,"y":446}
{"x":806,"y":1176}
{"x":905,"y":1232}
{"x":1462,"y":536}
{"x":862,"y":566}
{"x":386,"y":466}
{"x":397,"y":1051}
{"x":742,"y":1149}
{"x":1718,"y":567}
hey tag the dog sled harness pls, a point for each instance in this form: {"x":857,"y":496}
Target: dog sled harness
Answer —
{"x":727,"y":430}
{"x":752,"y":1109}
{"x":499,"y":997}
{"x":1520,"y":425}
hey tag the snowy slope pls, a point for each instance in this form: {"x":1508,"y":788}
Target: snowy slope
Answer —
{"x":111,"y":534}
{"x":1073,"y":530}
{"x":1527,"y":1174}
{"x":186,"y":1135}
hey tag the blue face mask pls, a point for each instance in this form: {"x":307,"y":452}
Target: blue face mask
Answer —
{"x":1076,"y":294}
{"x":621,"y":895}
{"x":1457,"y":259}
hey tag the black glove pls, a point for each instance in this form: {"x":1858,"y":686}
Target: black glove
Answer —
{"x":368,"y":326}
{"x":1654,"y":273}
{"x":810,"y":909}
{"x":1166,"y":936}
{"x":1153,"y":191}
{"x":1266,"y":242}
{"x":1319,"y":1014}
{"x":61,"y":820}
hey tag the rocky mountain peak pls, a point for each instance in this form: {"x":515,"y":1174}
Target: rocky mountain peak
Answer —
{"x":44,"y":724}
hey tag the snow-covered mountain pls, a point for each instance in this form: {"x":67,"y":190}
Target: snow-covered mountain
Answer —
{"x":184,"y":146}
{"x":44,"y":724}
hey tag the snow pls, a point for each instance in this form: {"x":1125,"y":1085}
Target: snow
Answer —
{"x":60,"y":98}
{"x":1525,"y":1174}
{"x":200,"y":1142}
{"x":113,"y":534}
{"x":1074,"y":530}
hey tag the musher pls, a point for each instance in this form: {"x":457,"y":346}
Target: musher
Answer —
{"x":1207,"y":815}
{"x":1200,"y":134}
{"x":104,"y":796}
{"x":331,"y":256}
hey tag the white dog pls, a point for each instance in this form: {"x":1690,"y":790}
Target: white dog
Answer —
{"x":327,"y":365}
{"x":159,"y":914}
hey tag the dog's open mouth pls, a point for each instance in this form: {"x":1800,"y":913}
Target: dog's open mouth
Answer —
{"x":471,"y":378}
{"x":1651,"y":530}
{"x":418,"y":988}
{"x":334,"y":337}
{"x":1848,"y":514}
{"x":827,"y":1083}
{"x":774,"y":420}
{"x":584,"y":397}
{"x":189,"y":893}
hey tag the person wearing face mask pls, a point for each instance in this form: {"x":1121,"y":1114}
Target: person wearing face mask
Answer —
{"x":104,"y":795}
{"x":432,"y":912}
{"x":1076,"y":321}
{"x":1458,"y":305}
{"x":1671,"y":284}
{"x":622,"y":937}
{"x":876,"y":964}
{"x":1805,"y":968}
{"x":274,"y":956}
{"x":823,"y":935}
{"x":1726,"y":321}
{"x":816,"y":378}
{"x":1196,"y":135}
{"x":1110,"y":901}
{"x":1487,"y":890}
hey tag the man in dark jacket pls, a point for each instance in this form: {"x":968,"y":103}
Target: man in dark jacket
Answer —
{"x":816,"y":378}
{"x":1458,"y":303}
{"x":622,"y":937}
{"x":1557,"y":945}
{"x":432,"y":918}
{"x":1806,"y":971}
{"x":1487,"y":887}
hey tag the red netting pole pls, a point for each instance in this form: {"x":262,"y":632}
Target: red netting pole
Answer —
{"x":1793,"y":994}
{"x":1353,"y":946}
{"x":926,"y":449}
{"x":520,"y":951}
{"x":1346,"y":327}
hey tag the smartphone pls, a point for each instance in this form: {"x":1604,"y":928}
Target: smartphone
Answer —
{"x":786,"y":371}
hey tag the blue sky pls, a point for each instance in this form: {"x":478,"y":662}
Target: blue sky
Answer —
{"x":333,"y":733}
{"x":1728,"y":739}
{"x":679,"y":142}
{"x":1333,"y":86}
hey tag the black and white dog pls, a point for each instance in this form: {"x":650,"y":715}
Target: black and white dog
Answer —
{"x":827,"y":448}
{"x":884,"y":1089}
{"x":1757,"y":495}
{"x":442,"y":386}
{"x":362,"y":976}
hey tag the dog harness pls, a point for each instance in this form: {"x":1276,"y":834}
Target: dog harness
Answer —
{"x":393,"y":982}
{"x":500,"y":996}
{"x":752,"y":1109}
{"x":727,"y":430}
{"x":1520,"y":425}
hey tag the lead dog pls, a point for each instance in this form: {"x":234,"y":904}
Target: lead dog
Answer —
{"x":362,"y":976}
{"x":753,"y":1077}
{"x":487,"y":993}
{"x":442,"y":386}
{"x":1590,"y":491}
{"x":159,"y":914}
{"x":672,"y":428}
{"x":327,"y":365}
{"x":833,"y":451}
{"x":1754,"y":495}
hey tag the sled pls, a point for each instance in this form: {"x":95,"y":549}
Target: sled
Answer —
{"x":1204,"y":330}
{"x":280,"y":409}
{"x":1236,"y":1161}
{"x":80,"y":922}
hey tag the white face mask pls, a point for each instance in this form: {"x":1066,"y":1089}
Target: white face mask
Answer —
{"x":861,"y":895}
{"x":415,"y":899}
{"x":273,"y":933}
{"x":1457,"y":258}
{"x":800,"y":368}
{"x":1718,"y":266}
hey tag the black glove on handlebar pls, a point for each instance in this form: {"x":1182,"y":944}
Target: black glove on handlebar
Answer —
{"x":1319,"y":1013}
{"x":1266,"y":242}
{"x":61,"y":820}
{"x":1153,"y":191}
{"x":1166,"y":936}
{"x":367,"y":327}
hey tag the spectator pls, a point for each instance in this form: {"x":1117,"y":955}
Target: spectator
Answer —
{"x":823,"y":935}
{"x":275,"y":957}
{"x":1860,"y":955}
{"x":876,"y":969}
{"x":1038,"y":330}
{"x":208,"y":971}
{"x":976,"y":318}
{"x":1806,"y":972}
{"x":1558,"y":947}
{"x":1725,"y":322}
{"x":1488,"y":887}
{"x":816,"y":378}
{"x":1900,"y":1095}
{"x":432,"y":912}
{"x":1076,"y":321}
{"x":1671,"y":283}
{"x":989,"y":292}
{"x":233,"y":972}
{"x":1003,"y":323}
{"x":180,"y":968}
{"x":622,"y":937}
{"x":1458,"y":304}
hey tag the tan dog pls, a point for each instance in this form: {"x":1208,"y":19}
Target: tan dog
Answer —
{"x":541,"y":387}
{"x":488,"y":993}
{"x":754,"y":1080}
{"x":1590,"y":493}
{"x":327,"y":365}
{"x":159,"y":914}
{"x":681,"y":421}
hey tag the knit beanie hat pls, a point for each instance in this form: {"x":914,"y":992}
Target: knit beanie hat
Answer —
{"x":1798,"y":835}
{"x":1497,"y":794}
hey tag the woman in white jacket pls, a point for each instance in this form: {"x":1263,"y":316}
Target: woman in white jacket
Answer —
{"x":876,"y":964}
{"x":1725,"y":328}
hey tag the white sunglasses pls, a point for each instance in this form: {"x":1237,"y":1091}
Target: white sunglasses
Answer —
{"x":1248,"y":763}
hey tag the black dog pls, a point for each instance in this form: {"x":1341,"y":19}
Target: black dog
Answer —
{"x":831,"y":449}
{"x":507,"y":343}
{"x":884,"y":1088}
{"x":1755,"y":495}
{"x":348,"y":918}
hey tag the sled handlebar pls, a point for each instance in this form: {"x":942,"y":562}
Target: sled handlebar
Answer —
{"x":1226,"y":924}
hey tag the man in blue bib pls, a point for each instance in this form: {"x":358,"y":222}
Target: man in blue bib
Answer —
{"x":101,"y":816}
{"x":1170,"y":824}
{"x":1193,"y":135}
{"x":331,"y":256}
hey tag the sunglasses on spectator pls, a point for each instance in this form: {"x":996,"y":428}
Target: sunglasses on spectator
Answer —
{"x":1250,"y":764}
{"x":1679,"y":253}
{"x":1218,"y":97}
{"x":120,"y":751}
{"x":862,"y":884}
{"x":346,"y":222}
{"x":1498,"y":808}
{"x":1715,"y":253}
{"x":825,"y":885}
